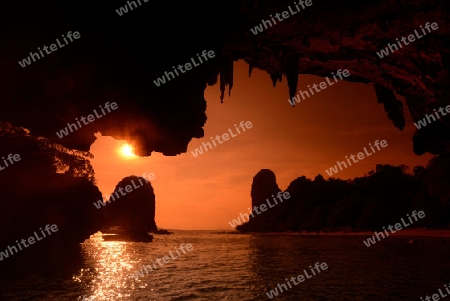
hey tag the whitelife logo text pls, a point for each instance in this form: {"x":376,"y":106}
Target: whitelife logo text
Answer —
{"x":27,"y":61}
{"x":225,"y":137}
{"x":90,"y":118}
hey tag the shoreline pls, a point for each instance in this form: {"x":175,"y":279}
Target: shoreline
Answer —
{"x":409,"y":233}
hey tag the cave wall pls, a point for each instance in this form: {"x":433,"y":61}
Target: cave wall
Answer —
{"x":331,"y":35}
{"x":117,"y":59}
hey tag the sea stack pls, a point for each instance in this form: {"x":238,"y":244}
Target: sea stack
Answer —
{"x":264,"y":186}
{"x":133,"y":211}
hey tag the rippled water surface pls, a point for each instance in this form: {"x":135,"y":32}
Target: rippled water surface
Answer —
{"x":244,"y":267}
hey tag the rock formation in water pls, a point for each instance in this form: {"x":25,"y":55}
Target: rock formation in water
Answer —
{"x":264,"y":187}
{"x":379,"y":199}
{"x":131,"y":206}
{"x":54,"y":185}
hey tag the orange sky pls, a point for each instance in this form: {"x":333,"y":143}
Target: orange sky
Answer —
{"x":208,"y":191}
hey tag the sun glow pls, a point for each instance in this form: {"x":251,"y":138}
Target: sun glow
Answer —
{"x":127,"y":151}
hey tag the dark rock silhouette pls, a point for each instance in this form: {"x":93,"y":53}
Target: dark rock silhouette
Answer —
{"x":438,"y":178}
{"x":366,"y":203}
{"x":134,"y":212}
{"x":51,"y":184}
{"x":42,"y":189}
{"x":264,"y":186}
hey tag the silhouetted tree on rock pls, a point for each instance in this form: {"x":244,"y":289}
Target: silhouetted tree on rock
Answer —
{"x":42,"y":189}
{"x":378,"y":199}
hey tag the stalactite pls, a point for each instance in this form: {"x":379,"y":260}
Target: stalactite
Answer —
{"x":292,"y":74}
{"x":226,"y":76}
{"x":250,"y":69}
{"x":275,"y":76}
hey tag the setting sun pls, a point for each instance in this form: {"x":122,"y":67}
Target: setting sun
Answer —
{"x":127,"y":151}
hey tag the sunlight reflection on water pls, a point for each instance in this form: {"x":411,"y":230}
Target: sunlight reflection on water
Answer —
{"x":245,"y":267}
{"x":111,"y":265}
